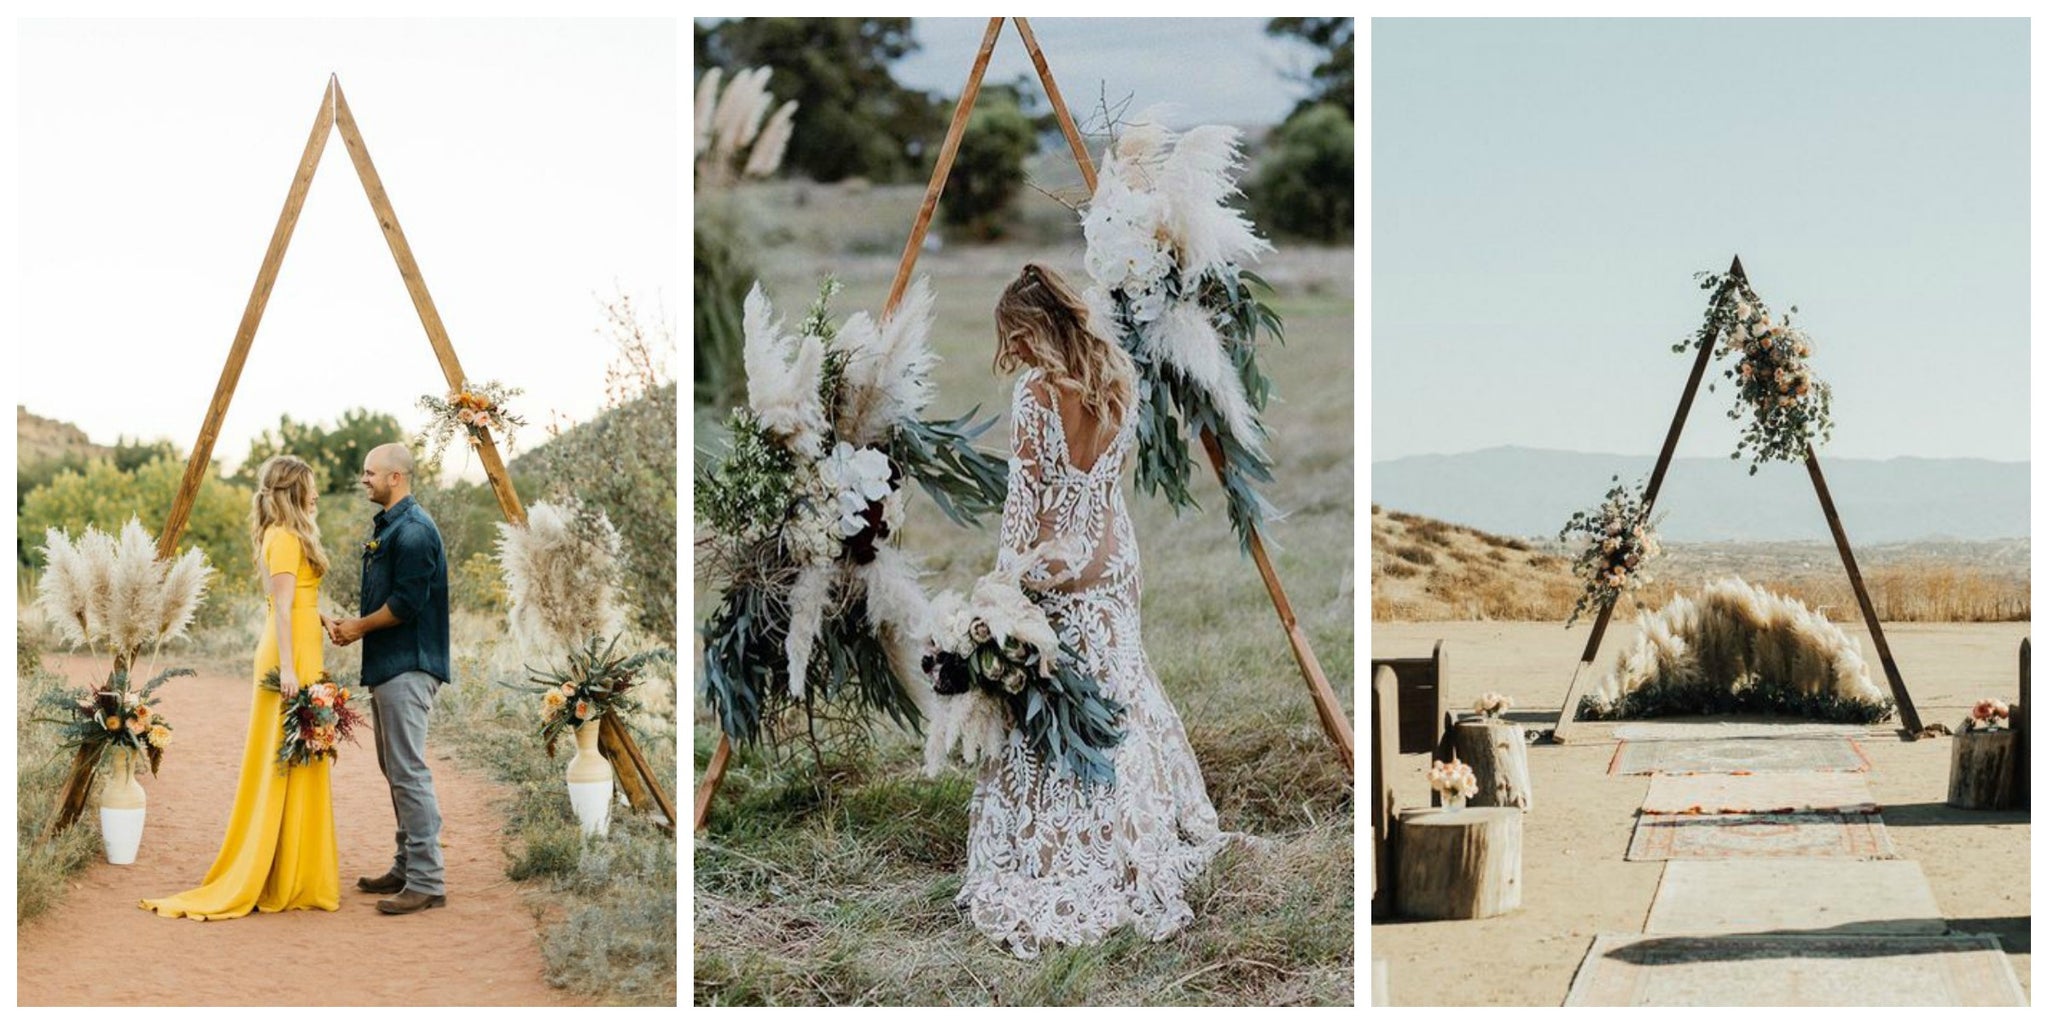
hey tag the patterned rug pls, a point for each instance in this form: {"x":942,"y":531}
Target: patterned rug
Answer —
{"x":1796,"y":970}
{"x":1733,"y":836}
{"x":1724,"y":729}
{"x":1768,"y":793}
{"x":1737,"y":756}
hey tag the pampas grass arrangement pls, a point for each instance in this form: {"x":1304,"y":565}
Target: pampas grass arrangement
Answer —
{"x":114,"y":594}
{"x":561,"y":575}
{"x":731,"y":121}
{"x":1738,"y":648}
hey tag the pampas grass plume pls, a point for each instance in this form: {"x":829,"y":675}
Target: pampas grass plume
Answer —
{"x":562,"y":580}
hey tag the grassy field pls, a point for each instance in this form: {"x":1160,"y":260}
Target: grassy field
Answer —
{"x":846,"y":896}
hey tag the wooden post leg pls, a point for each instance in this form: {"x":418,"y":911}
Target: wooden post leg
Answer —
{"x":943,"y":167}
{"x":643,"y":790}
{"x":1907,"y":715}
{"x":714,"y":773}
{"x":197,"y":465}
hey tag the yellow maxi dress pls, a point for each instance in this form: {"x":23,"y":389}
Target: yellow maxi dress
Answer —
{"x":279,"y":852}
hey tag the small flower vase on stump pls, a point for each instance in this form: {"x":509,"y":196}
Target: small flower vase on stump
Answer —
{"x":123,"y":805}
{"x":590,"y":782}
{"x":1453,"y":800}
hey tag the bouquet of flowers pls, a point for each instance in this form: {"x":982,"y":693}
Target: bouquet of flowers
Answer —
{"x":999,"y":665}
{"x":1492,"y":705}
{"x":813,"y":605}
{"x":1453,"y":779}
{"x":474,"y":410}
{"x":1166,"y":254}
{"x":1788,"y":407}
{"x":594,"y":682}
{"x":1990,"y":713}
{"x":316,"y":720}
{"x":99,"y":719}
{"x":1614,"y":557}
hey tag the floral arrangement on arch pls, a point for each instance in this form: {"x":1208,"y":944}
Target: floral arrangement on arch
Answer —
{"x":814,"y":608}
{"x":996,"y":663}
{"x":316,"y":719}
{"x":1787,"y":406}
{"x":1618,"y":540}
{"x":114,"y":596}
{"x":1166,"y":255}
{"x":473,"y":410}
{"x":562,"y":578}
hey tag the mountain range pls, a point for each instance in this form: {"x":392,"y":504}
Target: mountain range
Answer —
{"x":1530,"y":492}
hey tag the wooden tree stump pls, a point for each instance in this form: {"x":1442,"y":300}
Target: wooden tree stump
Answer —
{"x":1458,"y":863}
{"x":1980,"y":770}
{"x":1499,"y":759}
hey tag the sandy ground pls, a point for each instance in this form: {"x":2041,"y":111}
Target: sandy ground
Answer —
{"x":481,"y":949}
{"x":1575,"y":880}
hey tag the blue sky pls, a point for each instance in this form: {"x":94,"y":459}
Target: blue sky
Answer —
{"x":1543,"y":190}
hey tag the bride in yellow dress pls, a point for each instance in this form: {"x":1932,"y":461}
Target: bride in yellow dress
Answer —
{"x":279,"y":851}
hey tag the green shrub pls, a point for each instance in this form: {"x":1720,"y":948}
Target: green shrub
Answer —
{"x":1303,"y":184}
{"x":104,"y":495}
{"x":988,"y":171}
{"x":721,"y":275}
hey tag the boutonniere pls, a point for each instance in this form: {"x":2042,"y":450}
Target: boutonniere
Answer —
{"x":370,"y":546}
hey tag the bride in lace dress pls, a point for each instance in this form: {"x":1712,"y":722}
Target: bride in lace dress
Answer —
{"x":1049,"y":861}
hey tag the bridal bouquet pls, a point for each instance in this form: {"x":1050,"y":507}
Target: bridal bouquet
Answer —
{"x":316,"y":720}
{"x":1619,"y":541}
{"x":474,"y":410}
{"x":813,"y":605}
{"x":1788,"y":406}
{"x":99,"y":719}
{"x":998,"y":664}
{"x":1166,"y":254}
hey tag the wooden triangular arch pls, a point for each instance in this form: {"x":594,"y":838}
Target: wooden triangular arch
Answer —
{"x":1582,"y":676}
{"x":1329,"y":711}
{"x":635,"y":777}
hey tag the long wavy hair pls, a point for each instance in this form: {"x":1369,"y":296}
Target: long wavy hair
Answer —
{"x":284,"y":498}
{"x":1041,"y":322}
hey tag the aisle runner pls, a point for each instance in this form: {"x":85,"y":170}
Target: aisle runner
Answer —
{"x":1770,"y":909}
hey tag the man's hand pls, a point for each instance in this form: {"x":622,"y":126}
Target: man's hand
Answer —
{"x":345,"y":632}
{"x":327,"y":627}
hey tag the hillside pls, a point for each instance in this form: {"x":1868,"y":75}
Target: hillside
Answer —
{"x":41,"y":439}
{"x":1425,"y":569}
{"x":1529,"y":492}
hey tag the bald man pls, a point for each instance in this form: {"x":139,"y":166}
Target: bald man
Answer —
{"x":404,"y":630}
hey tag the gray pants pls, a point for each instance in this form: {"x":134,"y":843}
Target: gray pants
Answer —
{"x":401,"y":705}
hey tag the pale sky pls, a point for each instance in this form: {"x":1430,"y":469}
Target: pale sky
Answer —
{"x":1243,"y":76}
{"x":1543,"y":190}
{"x":532,"y":165}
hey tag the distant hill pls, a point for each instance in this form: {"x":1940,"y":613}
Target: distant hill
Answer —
{"x":41,"y":439}
{"x":1529,"y":492}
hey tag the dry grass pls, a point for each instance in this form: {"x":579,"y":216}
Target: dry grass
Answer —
{"x":1426,"y":570}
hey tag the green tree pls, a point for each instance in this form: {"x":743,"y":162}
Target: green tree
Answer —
{"x":1303,"y":182}
{"x":1331,"y":81}
{"x":988,"y":171}
{"x":105,"y":496}
{"x":853,"y":119}
{"x":335,"y":453}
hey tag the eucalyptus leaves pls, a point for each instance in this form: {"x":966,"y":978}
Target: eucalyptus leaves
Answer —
{"x":1787,"y":406}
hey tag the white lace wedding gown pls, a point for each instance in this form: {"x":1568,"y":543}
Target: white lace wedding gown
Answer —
{"x":1047,"y":861}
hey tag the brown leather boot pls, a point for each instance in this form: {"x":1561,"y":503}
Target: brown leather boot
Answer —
{"x":386,"y":884}
{"x":409,"y":902}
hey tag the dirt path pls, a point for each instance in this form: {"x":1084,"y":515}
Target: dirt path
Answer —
{"x":481,"y":949}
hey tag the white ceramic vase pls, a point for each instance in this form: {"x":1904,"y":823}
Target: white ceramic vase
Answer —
{"x":123,"y":806}
{"x":590,"y":782}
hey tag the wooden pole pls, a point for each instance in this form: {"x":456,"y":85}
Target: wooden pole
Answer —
{"x":1561,"y":732}
{"x":1907,"y":715}
{"x":1329,"y":711}
{"x":943,"y":167}
{"x":197,"y":464}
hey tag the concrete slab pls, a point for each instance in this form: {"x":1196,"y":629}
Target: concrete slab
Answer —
{"x":1724,"y":897}
{"x":1795,"y":970}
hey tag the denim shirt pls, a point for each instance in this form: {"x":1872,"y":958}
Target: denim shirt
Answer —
{"x":405,"y":567}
